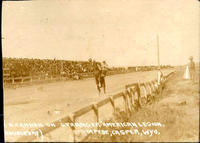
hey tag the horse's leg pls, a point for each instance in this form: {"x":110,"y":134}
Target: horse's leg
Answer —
{"x":98,"y":88}
{"x":104,"y":86}
{"x":97,"y":84}
{"x":100,"y":82}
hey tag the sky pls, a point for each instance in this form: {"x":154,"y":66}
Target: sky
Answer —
{"x":122,"y":32}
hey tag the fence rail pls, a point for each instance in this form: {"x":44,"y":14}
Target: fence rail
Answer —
{"x":42,"y":78}
{"x":9,"y":81}
{"x":134,"y":96}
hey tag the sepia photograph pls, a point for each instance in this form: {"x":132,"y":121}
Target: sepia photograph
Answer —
{"x":100,"y":70}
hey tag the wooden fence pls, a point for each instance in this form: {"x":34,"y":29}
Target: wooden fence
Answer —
{"x":135,"y":95}
{"x":10,"y":81}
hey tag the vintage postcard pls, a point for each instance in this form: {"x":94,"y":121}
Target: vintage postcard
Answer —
{"x":100,"y":70}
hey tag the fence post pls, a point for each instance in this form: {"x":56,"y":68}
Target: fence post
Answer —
{"x":113,"y":103}
{"x":159,"y":88}
{"x":133,"y":101}
{"x":95,"y":108}
{"x":149,"y":86}
{"x":146,"y":89}
{"x":135,"y":98}
{"x":125,"y":101}
{"x":155,"y":87}
{"x":128,"y":102}
{"x":72,"y":119}
{"x":138,"y":92}
{"x":152,"y":87}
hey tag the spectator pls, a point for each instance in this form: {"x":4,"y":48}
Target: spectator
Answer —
{"x":192,"y":69}
{"x":36,"y":67}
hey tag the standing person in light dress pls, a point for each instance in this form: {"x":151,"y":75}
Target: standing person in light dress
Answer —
{"x":191,"y":66}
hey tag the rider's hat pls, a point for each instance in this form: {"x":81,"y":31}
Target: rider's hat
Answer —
{"x":191,"y":58}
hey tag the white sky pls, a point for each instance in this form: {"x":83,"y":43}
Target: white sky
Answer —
{"x":122,"y":32}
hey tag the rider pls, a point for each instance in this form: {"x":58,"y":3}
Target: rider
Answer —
{"x":97,"y":71}
{"x":104,"y":68}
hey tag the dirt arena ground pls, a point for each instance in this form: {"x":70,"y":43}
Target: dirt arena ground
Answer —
{"x":45,"y":103}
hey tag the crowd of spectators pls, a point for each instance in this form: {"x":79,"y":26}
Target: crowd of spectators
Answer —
{"x":21,"y":67}
{"x":29,"y":67}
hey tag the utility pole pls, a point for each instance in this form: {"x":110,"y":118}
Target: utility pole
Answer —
{"x":158,"y":52}
{"x":159,"y":70}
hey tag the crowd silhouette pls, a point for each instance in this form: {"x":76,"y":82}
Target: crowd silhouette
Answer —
{"x":21,"y":67}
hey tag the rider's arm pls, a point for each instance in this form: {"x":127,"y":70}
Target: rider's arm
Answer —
{"x":106,"y":66}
